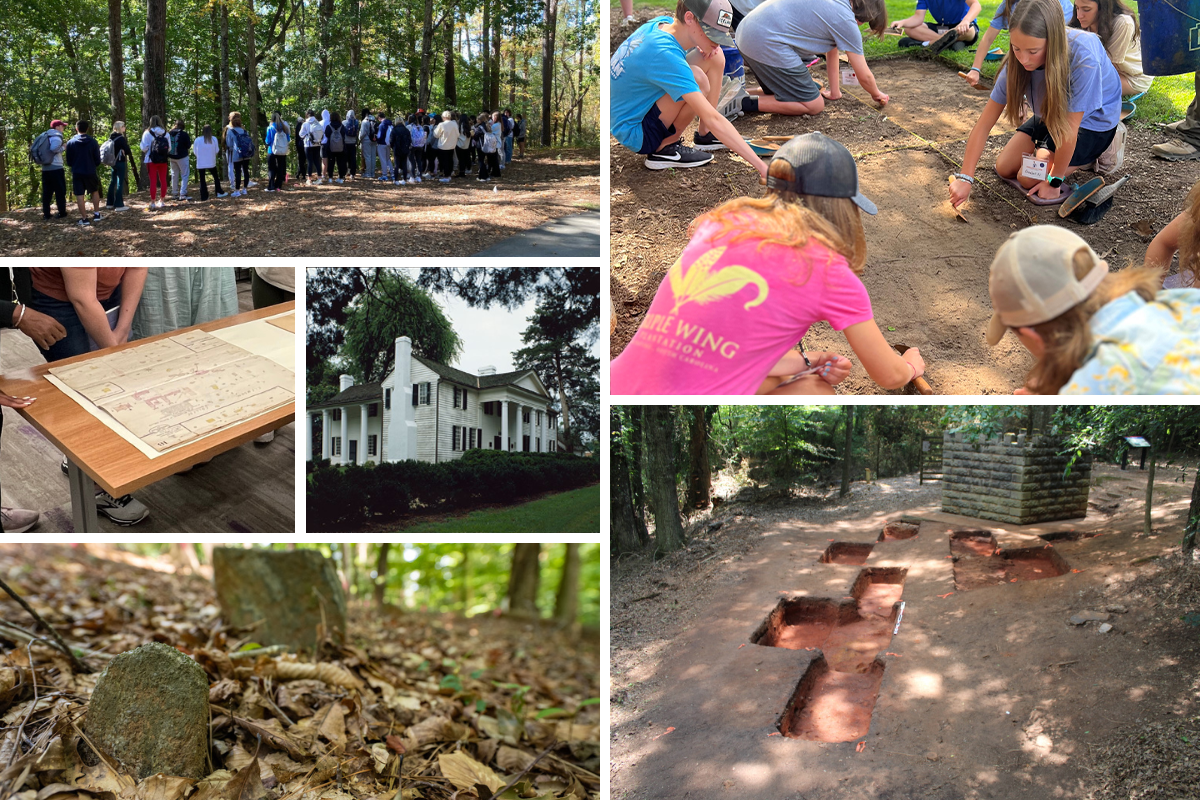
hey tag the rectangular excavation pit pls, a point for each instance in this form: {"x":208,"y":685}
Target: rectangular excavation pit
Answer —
{"x":853,"y":553}
{"x":973,"y":543}
{"x":832,"y":706}
{"x":896,"y":531}
{"x":979,"y":562}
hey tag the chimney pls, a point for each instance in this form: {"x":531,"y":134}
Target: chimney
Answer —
{"x":402,"y":428}
{"x":346,"y":382}
{"x":487,"y":370}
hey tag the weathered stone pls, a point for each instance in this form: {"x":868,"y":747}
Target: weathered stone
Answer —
{"x":149,"y":712}
{"x":1088,"y":616}
{"x":1105,"y":628}
{"x":1115,"y":609}
{"x":284,"y":597}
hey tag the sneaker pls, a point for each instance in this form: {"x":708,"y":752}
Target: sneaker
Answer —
{"x":61,"y":215}
{"x":95,"y":216}
{"x":83,"y":223}
{"x":17,"y":520}
{"x":730,"y":102}
{"x":46,"y":217}
{"x":340,"y":181}
{"x":1176,"y":151}
{"x":444,"y":180}
{"x":1174,"y":126}
{"x":251,"y":184}
{"x":958,"y":46}
{"x":677,"y":155}
{"x":161,"y":205}
{"x":183,"y":198}
{"x":266,"y":438}
{"x":66,"y":469}
{"x":222,"y":194}
{"x":629,"y":20}
{"x":401,"y":182}
{"x":482,"y":180}
{"x":121,"y":510}
{"x":119,"y":209}
{"x":417,"y":179}
{"x":707,"y":141}
{"x":905,"y":41}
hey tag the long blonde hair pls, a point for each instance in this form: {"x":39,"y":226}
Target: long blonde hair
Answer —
{"x":1068,"y":337}
{"x":1041,"y":19}
{"x":1189,"y":237}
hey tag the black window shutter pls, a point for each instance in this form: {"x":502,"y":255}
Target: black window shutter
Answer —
{"x":465,"y":396}
{"x":416,"y":392}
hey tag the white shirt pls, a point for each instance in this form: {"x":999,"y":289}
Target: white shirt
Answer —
{"x":206,"y":154}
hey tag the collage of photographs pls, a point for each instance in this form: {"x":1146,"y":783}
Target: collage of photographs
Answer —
{"x":569,"y":363}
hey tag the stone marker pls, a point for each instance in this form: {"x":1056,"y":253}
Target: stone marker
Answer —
{"x":149,"y":713}
{"x":283,"y":597}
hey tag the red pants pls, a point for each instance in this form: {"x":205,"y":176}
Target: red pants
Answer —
{"x":158,"y":174}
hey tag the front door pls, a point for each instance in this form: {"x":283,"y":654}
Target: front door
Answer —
{"x":496,"y":443}
{"x":525,"y":444}
{"x":353,"y":451}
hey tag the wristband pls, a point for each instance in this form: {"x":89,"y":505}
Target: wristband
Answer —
{"x":963,"y":177}
{"x":976,"y":69}
{"x":20,"y":316}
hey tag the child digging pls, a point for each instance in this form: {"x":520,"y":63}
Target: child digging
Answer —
{"x":1181,"y":234}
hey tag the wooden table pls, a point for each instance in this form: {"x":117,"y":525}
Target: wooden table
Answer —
{"x":97,"y":453}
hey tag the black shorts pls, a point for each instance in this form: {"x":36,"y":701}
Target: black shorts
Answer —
{"x":1089,"y":145}
{"x":654,"y":133}
{"x":83,"y":185}
{"x":940,"y":27}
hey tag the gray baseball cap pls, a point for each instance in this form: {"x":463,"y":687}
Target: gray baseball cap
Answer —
{"x":716,"y":18}
{"x":822,"y":167}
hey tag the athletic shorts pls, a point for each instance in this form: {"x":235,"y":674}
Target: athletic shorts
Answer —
{"x":786,"y":84}
{"x":1088,"y":146}
{"x":654,"y":133}
{"x":83,"y":185}
{"x":942,"y":27}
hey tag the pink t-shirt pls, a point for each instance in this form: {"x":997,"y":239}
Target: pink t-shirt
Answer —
{"x":725,"y":314}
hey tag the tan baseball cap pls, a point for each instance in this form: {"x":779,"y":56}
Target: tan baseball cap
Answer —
{"x":1036,"y":276}
{"x":716,"y":18}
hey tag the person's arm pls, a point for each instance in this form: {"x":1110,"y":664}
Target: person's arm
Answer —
{"x":972,"y":14}
{"x":960,"y":190}
{"x":80,"y":284}
{"x":866,"y":78}
{"x":834,"y":91}
{"x":1162,"y":249}
{"x":886,"y":367}
{"x":723,"y":129}
{"x":916,"y":19}
{"x":132,"y":283}
{"x":981,"y":51}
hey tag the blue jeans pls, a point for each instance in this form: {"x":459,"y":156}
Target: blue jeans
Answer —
{"x":508,"y":144}
{"x":119,"y":185}
{"x":76,"y":342}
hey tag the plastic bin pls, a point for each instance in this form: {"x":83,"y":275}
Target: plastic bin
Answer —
{"x":1170,"y":36}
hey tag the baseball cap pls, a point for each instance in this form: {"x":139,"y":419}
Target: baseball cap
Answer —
{"x":821,"y":167}
{"x":58,"y":122}
{"x":716,"y":18}
{"x":1035,"y":278}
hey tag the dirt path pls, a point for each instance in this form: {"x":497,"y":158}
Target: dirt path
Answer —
{"x":983,"y":693}
{"x":355,"y":218}
{"x":926,"y":271}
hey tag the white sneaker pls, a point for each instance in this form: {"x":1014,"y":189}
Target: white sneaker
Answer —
{"x":417,"y":179}
{"x":251,"y":184}
{"x":340,"y":181}
{"x":266,"y":438}
{"x":223,"y":194}
{"x":118,"y":209}
{"x":444,"y":180}
{"x":17,"y":520}
{"x":183,"y":198}
{"x":625,"y":23}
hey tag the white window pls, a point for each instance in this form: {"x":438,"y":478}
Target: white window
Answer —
{"x":456,"y":394}
{"x":337,"y":445}
{"x":373,"y":445}
{"x":525,"y":415}
{"x":456,"y":440}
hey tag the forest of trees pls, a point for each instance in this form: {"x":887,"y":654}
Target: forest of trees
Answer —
{"x":663,"y":458}
{"x":197,"y":60}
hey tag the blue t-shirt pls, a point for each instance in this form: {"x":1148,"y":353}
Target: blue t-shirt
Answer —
{"x":945,"y":12}
{"x":647,"y":65}
{"x":1000,"y":18}
{"x":1095,"y":84}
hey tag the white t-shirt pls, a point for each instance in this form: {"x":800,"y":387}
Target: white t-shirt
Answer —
{"x":206,"y":154}
{"x":147,"y":140}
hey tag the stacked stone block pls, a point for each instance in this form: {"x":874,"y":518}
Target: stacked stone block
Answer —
{"x":1016,"y":479}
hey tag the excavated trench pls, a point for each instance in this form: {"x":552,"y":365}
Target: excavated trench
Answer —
{"x":896,"y":531}
{"x":851,"y":553}
{"x":979,"y":561}
{"x":832,"y":706}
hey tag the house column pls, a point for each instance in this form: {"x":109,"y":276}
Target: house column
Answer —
{"x":542,"y":429}
{"x":325,"y":432}
{"x":362,"y":441}
{"x":308,"y":418}
{"x":520,"y":426}
{"x":345,"y":434}
{"x":504,"y":425}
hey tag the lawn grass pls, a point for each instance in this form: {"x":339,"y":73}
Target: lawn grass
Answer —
{"x":577,"y":511}
{"x":1166,"y":101}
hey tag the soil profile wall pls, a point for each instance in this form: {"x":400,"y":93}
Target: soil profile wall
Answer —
{"x":1016,"y":479}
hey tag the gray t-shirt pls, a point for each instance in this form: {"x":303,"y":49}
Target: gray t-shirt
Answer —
{"x":777,"y":32}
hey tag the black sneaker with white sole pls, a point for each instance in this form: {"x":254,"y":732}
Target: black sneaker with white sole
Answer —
{"x":677,"y":155}
{"x":124,"y":510}
{"x":707,"y":141}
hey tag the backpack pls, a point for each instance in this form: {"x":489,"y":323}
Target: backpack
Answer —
{"x":351,"y":132}
{"x":368,"y":130}
{"x":418,"y":137}
{"x":279,"y":143}
{"x":245,"y":145}
{"x":313,"y":139}
{"x":174,"y":135}
{"x":490,"y":143}
{"x":336,"y":140}
{"x":160,"y":148}
{"x":108,"y":153}
{"x":40,"y":152}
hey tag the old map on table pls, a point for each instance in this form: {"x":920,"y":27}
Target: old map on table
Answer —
{"x":171,"y":391}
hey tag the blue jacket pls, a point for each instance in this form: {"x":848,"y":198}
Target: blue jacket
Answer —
{"x":83,"y":154}
{"x":401,"y":139}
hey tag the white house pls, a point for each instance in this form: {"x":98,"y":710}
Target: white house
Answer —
{"x":427,"y":411}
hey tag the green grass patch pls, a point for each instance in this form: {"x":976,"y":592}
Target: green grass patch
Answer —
{"x":577,"y":511}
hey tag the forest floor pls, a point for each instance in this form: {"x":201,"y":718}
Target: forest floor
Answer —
{"x":359,"y":217}
{"x":576,"y":511}
{"x":987,"y":692}
{"x":926,"y":271}
{"x":492,"y":693}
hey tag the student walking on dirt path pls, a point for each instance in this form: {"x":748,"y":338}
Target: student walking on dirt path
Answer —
{"x":1092,"y":331}
{"x":791,"y":258}
{"x":1000,"y":22}
{"x":47,"y":151}
{"x":180,"y":161}
{"x":1119,"y":32}
{"x":207,"y":149}
{"x":83,"y":157}
{"x":773,"y":35}
{"x":667,"y":74}
{"x":157,"y":149}
{"x":278,"y":140}
{"x":957,"y":15}
{"x":366,"y":136}
{"x":1076,"y":97}
{"x":118,"y":182}
{"x":241,"y":147}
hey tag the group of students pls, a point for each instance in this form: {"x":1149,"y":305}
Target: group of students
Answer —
{"x":794,"y":256}
{"x":406,"y":151}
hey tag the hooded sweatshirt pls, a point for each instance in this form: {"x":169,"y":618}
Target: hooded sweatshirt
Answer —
{"x":324,"y":125}
{"x":58,"y":146}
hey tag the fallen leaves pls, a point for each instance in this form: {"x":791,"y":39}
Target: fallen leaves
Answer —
{"x":247,"y":784}
{"x":464,"y":772}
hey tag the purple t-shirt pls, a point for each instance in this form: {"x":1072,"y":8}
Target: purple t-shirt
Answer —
{"x":727,"y":312}
{"x":1095,"y":84}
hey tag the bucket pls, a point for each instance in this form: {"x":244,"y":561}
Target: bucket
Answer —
{"x":734,"y":67}
{"x":1170,"y":36}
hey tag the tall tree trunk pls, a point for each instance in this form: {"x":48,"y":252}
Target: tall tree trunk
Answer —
{"x":426,"y":56}
{"x":1192,"y":529}
{"x":637,"y":488}
{"x":381,"y":573}
{"x":224,"y":63}
{"x":356,"y":54}
{"x":660,"y":448}
{"x":566,"y":604}
{"x":523,"y":581}
{"x":1150,"y":490}
{"x":325,"y":10}
{"x":449,"y":86}
{"x":154,"y":75}
{"x":252,"y":87}
{"x":582,"y":56}
{"x":512,"y":73}
{"x":846,"y":450}
{"x":562,"y":401}
{"x":496,"y":61}
{"x":468,"y":574}
{"x":3,"y":170}
{"x":622,"y":517}
{"x":549,"y":31}
{"x":487,"y":58}
{"x":699,"y":474}
{"x":116,"y":61}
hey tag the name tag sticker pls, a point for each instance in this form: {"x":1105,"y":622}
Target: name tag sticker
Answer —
{"x":849,"y":78}
{"x":1033,"y":167}
{"x":724,"y":18}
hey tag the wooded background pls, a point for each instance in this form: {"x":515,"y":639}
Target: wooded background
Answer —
{"x":200,"y":59}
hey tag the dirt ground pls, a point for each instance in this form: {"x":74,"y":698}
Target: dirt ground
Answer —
{"x":988,"y":692}
{"x":926,"y":271}
{"x":358,"y":217}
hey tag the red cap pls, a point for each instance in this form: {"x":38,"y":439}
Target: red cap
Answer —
{"x":58,"y":122}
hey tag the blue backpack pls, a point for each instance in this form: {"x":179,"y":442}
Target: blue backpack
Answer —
{"x":245,"y":145}
{"x":350,"y":131}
